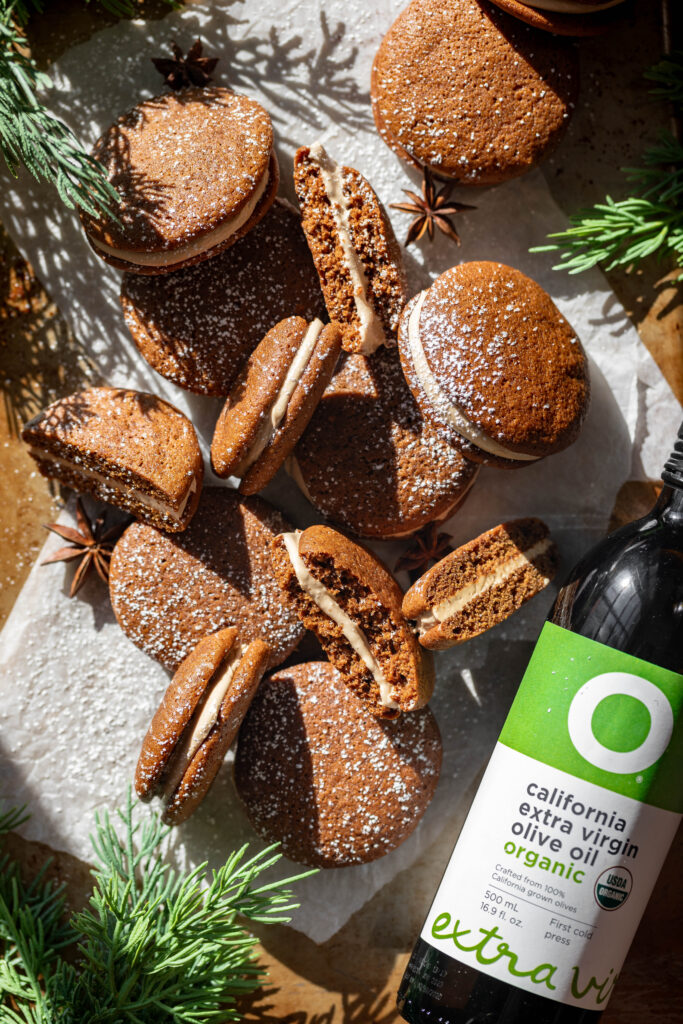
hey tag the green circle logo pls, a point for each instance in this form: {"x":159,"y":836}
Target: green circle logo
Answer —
{"x":633,"y":745}
{"x":621,"y":722}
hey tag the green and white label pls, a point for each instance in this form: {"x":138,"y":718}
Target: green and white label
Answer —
{"x":570,"y":826}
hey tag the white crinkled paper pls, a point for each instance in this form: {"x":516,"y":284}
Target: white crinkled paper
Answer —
{"x":76,"y":694}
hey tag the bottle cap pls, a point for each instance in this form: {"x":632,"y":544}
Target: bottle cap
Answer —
{"x":672,"y":473}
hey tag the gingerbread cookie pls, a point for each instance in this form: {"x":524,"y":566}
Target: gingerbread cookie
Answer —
{"x":370,"y":461}
{"x":329,"y":782}
{"x":273,"y":400}
{"x":350,"y":600}
{"x":197,"y":327}
{"x":167,"y":592}
{"x":492,"y":361}
{"x":481,"y":583}
{"x":472,"y":94}
{"x":197,"y":721}
{"x":565,"y":17}
{"x":194,"y":172}
{"x":354,"y":249}
{"x":128,"y":448}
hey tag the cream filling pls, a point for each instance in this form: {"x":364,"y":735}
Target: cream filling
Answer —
{"x":203,"y":720}
{"x":371,"y":330}
{"x":446,"y":609}
{"x":294,"y":469}
{"x":205,"y":242}
{"x":148,"y":500}
{"x":327,"y":604}
{"x":570,"y":6}
{"x":440,"y":400}
{"x":271,"y":422}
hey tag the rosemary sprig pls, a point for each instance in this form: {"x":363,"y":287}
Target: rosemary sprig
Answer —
{"x":623,"y":232}
{"x":154,"y":946}
{"x":29,"y":133}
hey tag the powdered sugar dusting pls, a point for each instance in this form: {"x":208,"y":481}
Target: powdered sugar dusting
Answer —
{"x":503,"y":353}
{"x":369,"y":429}
{"x":182,"y":164}
{"x":169,"y":592}
{"x":457,"y":94}
{"x":77,"y":694}
{"x":330,"y":782}
{"x":198,"y":326}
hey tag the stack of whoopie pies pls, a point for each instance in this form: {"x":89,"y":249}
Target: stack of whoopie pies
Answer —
{"x":381,"y":406}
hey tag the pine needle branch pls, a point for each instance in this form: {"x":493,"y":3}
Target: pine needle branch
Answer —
{"x":623,"y":232}
{"x":32,"y":934}
{"x":32,"y":136}
{"x":154,"y":946}
{"x":668,"y":75}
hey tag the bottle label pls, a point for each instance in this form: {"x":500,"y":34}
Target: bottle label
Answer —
{"x":570,"y":826}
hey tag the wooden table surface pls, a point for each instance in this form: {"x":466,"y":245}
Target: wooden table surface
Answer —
{"x":353,"y":977}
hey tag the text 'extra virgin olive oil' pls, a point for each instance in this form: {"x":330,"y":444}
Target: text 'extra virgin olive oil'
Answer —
{"x":580,"y":800}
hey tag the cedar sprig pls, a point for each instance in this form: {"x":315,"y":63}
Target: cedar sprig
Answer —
{"x":32,"y":136}
{"x":32,"y":935}
{"x":667,"y":74}
{"x":623,"y":232}
{"x":154,"y":945}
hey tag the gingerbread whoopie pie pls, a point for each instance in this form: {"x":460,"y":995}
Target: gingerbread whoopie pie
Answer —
{"x":169,"y":591}
{"x":565,"y":17}
{"x":354,"y":249}
{"x":349,"y":599}
{"x":481,"y":583}
{"x":463,"y":89}
{"x":194,"y":170}
{"x":370,"y":461}
{"x":197,"y":327}
{"x":197,"y":721}
{"x":273,"y":400}
{"x":128,"y":448}
{"x":332,"y":784}
{"x":492,"y":361}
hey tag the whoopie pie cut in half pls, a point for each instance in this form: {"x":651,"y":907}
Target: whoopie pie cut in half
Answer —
{"x":481,"y":583}
{"x":354,"y":249}
{"x":349,"y":599}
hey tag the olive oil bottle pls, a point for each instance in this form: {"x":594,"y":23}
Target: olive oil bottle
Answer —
{"x":580,"y":800}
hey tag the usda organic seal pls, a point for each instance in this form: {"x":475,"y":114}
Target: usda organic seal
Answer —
{"x":612,"y":887}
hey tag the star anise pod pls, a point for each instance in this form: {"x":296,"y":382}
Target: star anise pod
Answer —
{"x":90,"y":543}
{"x":427,"y":546}
{"x":180,"y":72}
{"x":431,"y":210}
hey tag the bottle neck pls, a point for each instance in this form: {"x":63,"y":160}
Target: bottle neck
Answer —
{"x":672,"y":474}
{"x":669,"y":507}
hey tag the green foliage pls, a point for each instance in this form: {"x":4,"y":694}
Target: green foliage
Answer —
{"x":32,"y":934}
{"x":625,"y":231}
{"x":154,"y":946}
{"x":29,"y":133}
{"x":668,"y":76}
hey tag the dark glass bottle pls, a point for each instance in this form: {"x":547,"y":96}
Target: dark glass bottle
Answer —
{"x":626,"y":593}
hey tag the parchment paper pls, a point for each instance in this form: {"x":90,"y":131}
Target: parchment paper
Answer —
{"x":76,"y":695}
